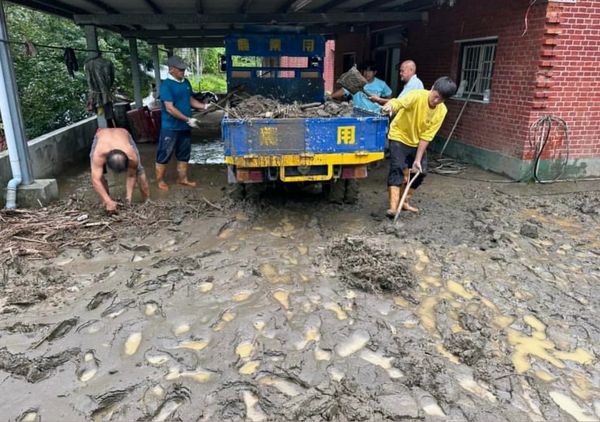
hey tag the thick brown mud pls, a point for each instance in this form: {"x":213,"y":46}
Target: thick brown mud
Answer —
{"x":287,"y":307}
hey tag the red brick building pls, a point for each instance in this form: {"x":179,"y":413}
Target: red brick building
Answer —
{"x":523,"y":60}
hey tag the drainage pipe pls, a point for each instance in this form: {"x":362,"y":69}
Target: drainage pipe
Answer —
{"x":13,"y":122}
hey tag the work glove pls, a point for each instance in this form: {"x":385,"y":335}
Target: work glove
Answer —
{"x":387,"y":109}
{"x":192,"y":122}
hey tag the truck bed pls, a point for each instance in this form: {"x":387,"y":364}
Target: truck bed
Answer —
{"x":363,"y":132}
{"x":304,"y":149}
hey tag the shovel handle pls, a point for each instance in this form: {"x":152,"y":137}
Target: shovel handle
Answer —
{"x":409,"y":184}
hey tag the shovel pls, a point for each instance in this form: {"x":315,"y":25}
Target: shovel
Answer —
{"x":353,"y":81}
{"x":410,"y":182}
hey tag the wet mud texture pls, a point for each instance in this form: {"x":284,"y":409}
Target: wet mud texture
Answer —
{"x":258,"y":106}
{"x":372,"y":266}
{"x":286,"y":307}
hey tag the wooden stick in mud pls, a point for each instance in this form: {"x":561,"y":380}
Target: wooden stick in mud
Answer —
{"x":309,"y":105}
{"x":222,"y":101}
{"x":410,"y":182}
{"x":211,"y":204}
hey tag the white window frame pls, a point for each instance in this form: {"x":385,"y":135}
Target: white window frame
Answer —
{"x":477,"y":59}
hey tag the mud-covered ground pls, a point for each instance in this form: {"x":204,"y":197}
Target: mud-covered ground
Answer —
{"x":286,"y":307}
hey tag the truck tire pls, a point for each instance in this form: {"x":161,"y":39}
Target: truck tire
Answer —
{"x":238,"y":193}
{"x":351,"y":193}
{"x":341,"y":191}
{"x":334,"y":191}
{"x":247,"y":191}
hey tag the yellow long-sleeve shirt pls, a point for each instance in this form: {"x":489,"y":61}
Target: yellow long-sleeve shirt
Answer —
{"x":415,"y":120}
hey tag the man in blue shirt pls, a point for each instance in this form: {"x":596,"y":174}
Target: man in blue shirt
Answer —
{"x":408,"y":75}
{"x":176,"y":123}
{"x":375,"y":87}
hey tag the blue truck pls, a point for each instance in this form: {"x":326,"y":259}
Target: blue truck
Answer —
{"x":332,"y":151}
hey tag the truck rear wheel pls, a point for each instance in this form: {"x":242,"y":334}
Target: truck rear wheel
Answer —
{"x":351,"y":194}
{"x":341,"y":191}
{"x":249,"y":191}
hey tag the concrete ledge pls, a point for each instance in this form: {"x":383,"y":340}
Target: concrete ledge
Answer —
{"x":39,"y":194}
{"x":516,"y":168}
{"x":53,"y":152}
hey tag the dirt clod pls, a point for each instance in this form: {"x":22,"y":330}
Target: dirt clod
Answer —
{"x":372,"y":267}
{"x":33,"y":369}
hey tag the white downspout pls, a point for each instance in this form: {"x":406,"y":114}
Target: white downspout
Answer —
{"x":12,"y":120}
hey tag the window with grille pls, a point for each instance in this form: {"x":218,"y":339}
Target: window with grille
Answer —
{"x":476,"y":68}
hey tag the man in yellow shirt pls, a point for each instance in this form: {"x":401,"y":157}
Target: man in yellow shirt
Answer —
{"x":419,"y":115}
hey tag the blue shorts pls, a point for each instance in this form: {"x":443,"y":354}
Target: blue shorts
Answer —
{"x":179,"y":141}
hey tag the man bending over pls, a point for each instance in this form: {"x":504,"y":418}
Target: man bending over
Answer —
{"x":114,"y":148}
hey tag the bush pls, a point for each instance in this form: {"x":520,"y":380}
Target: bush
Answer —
{"x":208,"y":82}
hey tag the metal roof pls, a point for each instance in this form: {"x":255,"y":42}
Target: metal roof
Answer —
{"x":197,"y":23}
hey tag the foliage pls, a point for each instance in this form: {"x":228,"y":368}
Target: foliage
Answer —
{"x":208,"y":82}
{"x":209,"y":76}
{"x":119,"y":55}
{"x":49,"y":97}
{"x":209,"y":59}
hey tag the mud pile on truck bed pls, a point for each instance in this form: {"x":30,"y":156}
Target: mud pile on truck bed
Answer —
{"x":257,"y":106}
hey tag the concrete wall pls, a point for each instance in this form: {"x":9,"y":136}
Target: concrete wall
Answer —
{"x":53,"y":152}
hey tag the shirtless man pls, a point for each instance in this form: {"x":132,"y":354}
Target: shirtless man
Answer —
{"x":114,"y":148}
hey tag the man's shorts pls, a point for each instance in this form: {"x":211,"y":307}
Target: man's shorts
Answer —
{"x":402,"y":157}
{"x":178,"y":141}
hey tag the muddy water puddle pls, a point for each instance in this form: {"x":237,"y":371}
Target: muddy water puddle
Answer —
{"x":273,"y":311}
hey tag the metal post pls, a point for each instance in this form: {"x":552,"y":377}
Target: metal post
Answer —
{"x":91,"y":39}
{"x":156,"y":61}
{"x":10,"y":109}
{"x":135,"y":72}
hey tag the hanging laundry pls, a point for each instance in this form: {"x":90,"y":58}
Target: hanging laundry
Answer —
{"x":100,"y":74}
{"x":30,"y":50}
{"x":71,"y":61}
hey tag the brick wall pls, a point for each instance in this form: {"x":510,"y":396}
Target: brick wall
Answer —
{"x":568,"y":80}
{"x":350,"y":43}
{"x":552,"y":68}
{"x":329,"y":64}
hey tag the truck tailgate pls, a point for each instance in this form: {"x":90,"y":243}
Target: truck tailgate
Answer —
{"x":268,"y":137}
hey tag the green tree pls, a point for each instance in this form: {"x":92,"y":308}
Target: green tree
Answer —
{"x":49,"y":97}
{"x":209,"y":77}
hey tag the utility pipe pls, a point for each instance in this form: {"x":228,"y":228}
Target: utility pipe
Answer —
{"x":10,"y":110}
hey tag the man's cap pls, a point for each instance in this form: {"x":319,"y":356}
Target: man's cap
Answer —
{"x":176,"y":61}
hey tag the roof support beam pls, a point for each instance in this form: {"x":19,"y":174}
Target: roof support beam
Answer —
{"x":294,"y":5}
{"x":231,"y":18}
{"x":415,"y":5}
{"x":103,"y":6}
{"x":372,"y":5}
{"x":165,"y":34}
{"x":55,"y":7}
{"x":188,"y":42}
{"x":156,"y":9}
{"x":159,"y":33}
{"x":153,"y":6}
{"x":330,"y":5}
{"x":245,"y":6}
